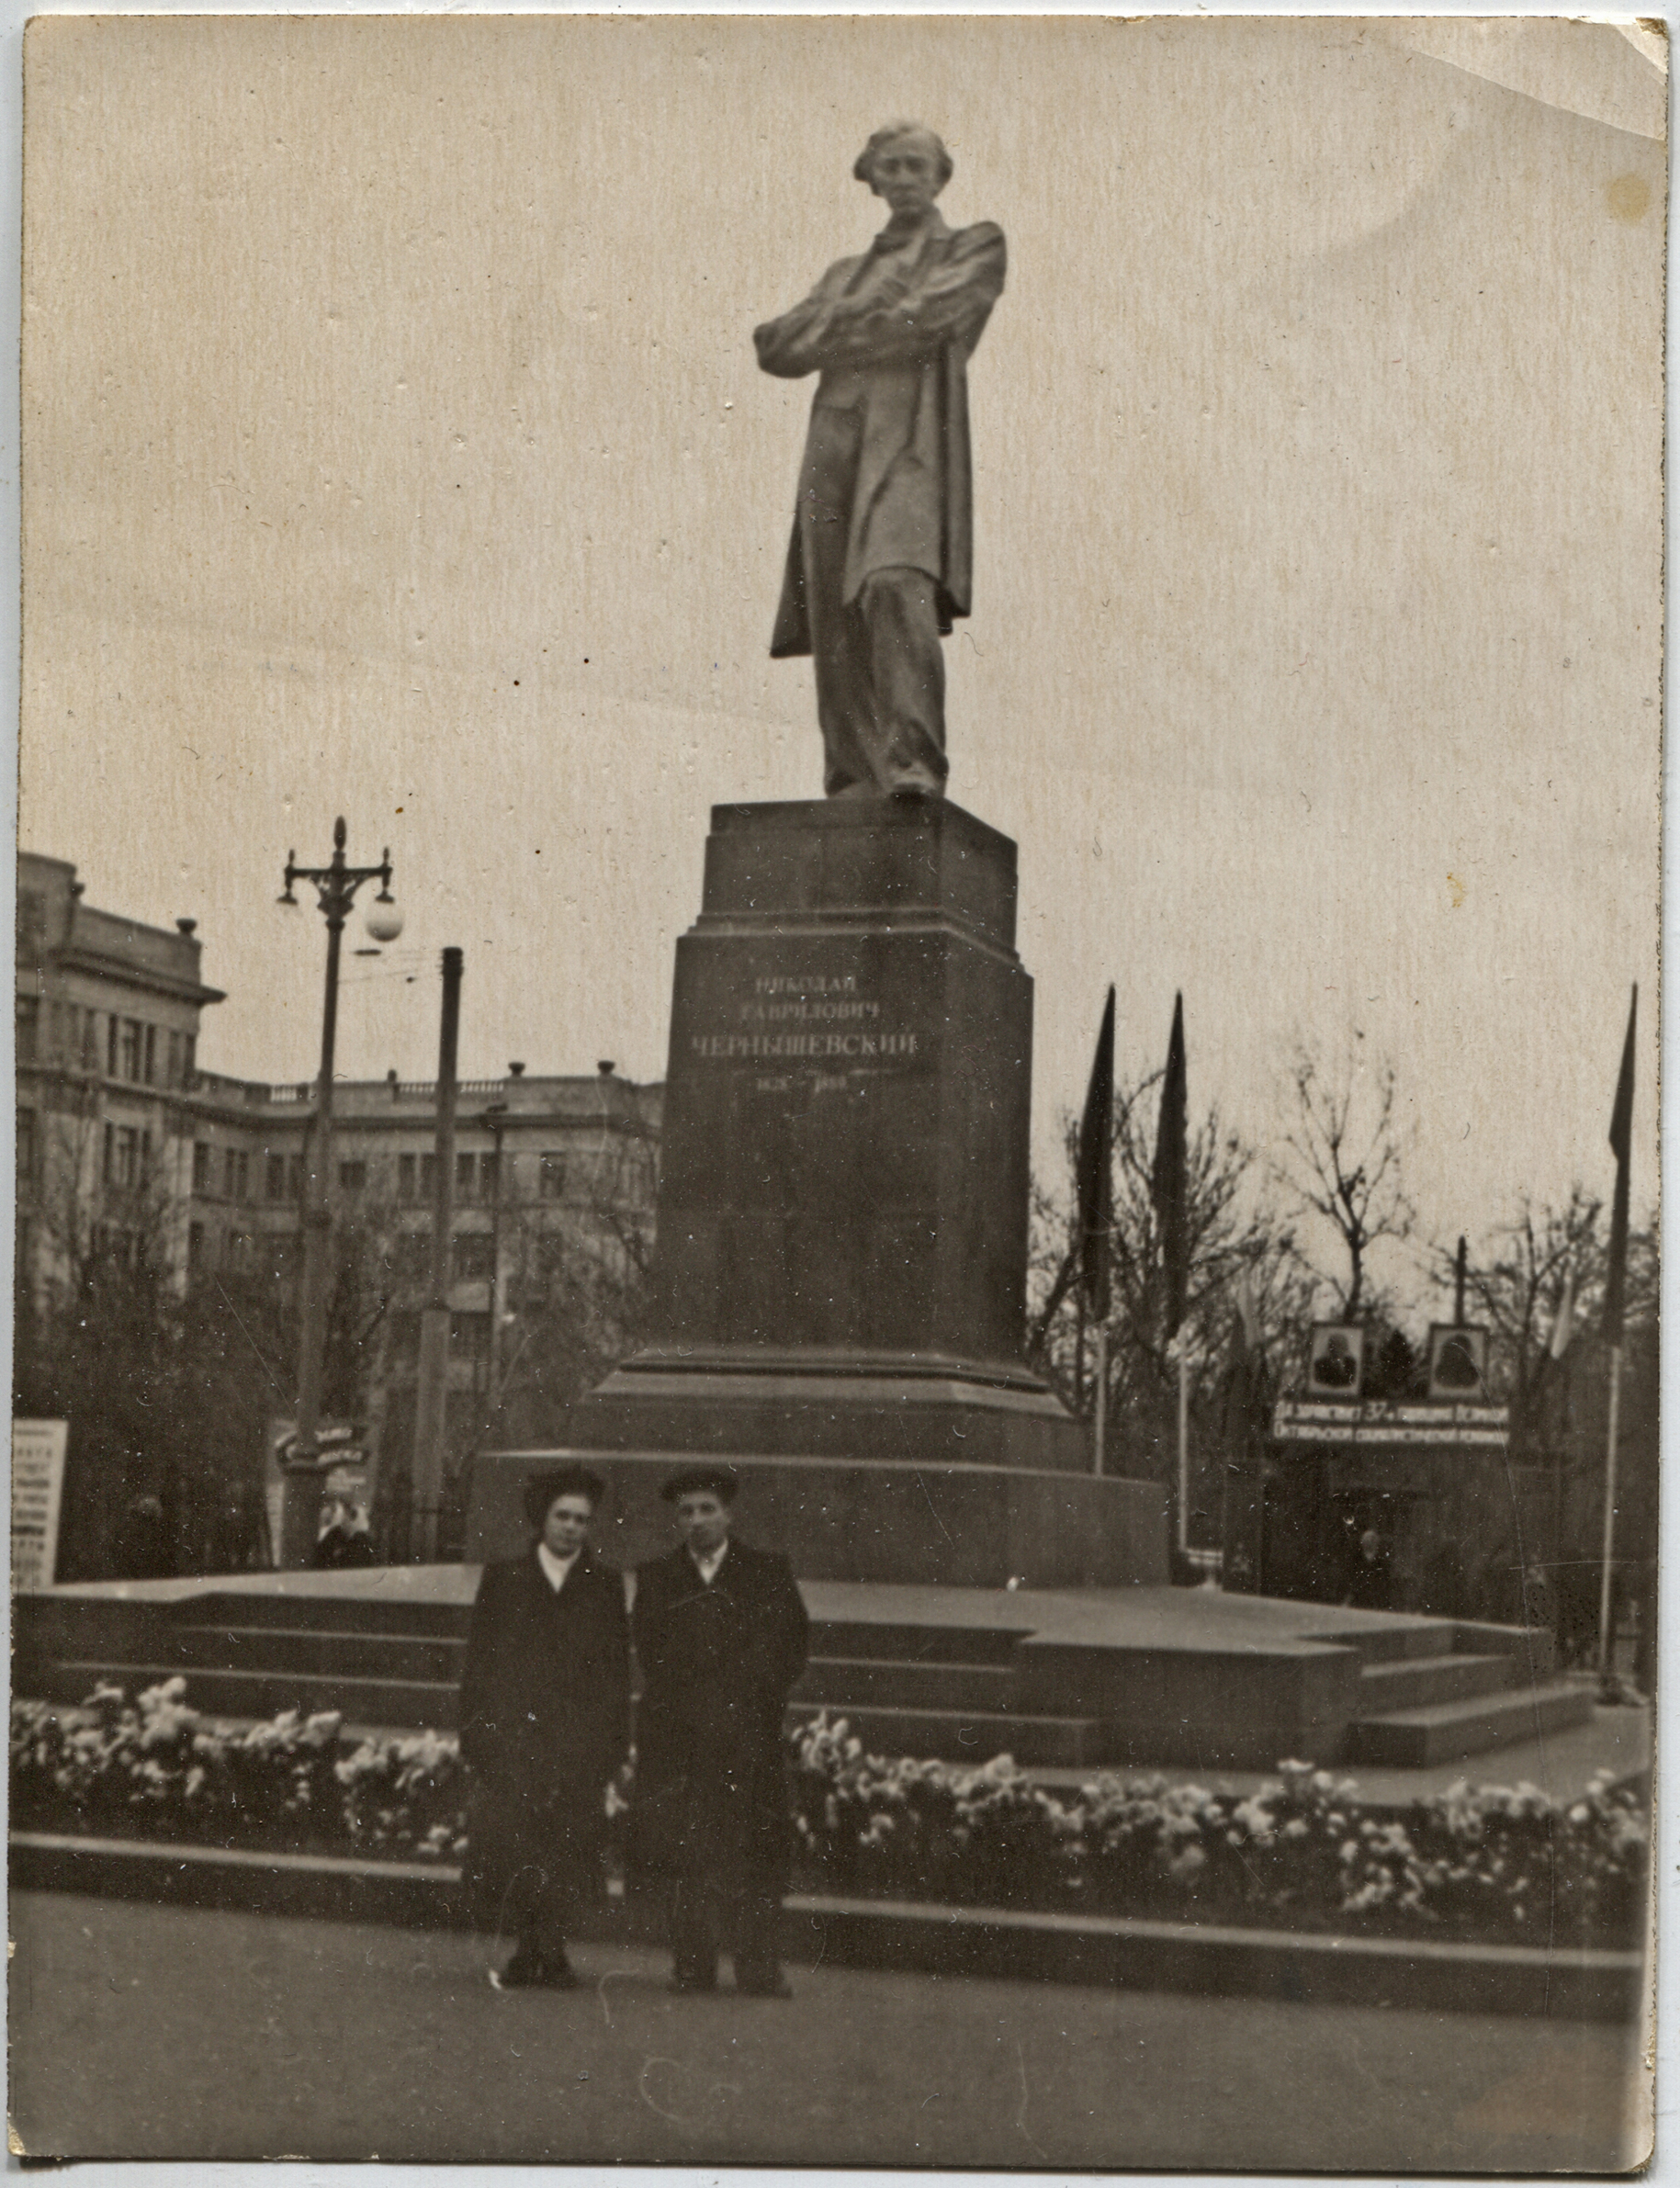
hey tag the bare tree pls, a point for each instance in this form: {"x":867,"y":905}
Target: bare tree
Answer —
{"x":1344,"y":1160}
{"x":1515,"y":1281}
{"x":1233,"y":1238}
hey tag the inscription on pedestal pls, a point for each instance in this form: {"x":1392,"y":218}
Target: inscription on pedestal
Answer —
{"x":810,"y":1020}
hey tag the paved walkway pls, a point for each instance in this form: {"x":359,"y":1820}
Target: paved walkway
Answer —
{"x":154,"y":2032}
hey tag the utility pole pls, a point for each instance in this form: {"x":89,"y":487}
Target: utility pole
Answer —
{"x":432,"y":1396}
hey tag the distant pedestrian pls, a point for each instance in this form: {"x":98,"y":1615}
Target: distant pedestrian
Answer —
{"x":721,"y":1632}
{"x":346,"y":1536}
{"x":1372,"y":1586}
{"x":544,"y":1727}
{"x":145,"y":1548}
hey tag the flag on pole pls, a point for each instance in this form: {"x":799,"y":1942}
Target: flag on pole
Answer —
{"x":1246,"y":1383}
{"x":1169,"y":1180}
{"x":1094,"y":1173}
{"x":1621,"y":1142}
{"x":1563,"y":1321}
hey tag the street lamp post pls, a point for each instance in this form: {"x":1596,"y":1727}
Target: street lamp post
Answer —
{"x":335,"y":886}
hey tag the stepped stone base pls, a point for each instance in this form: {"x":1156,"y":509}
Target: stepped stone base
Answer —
{"x":920,"y":1409}
{"x":941,"y":1524}
{"x":1144,"y":1677}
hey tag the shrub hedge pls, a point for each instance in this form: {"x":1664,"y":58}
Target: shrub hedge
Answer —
{"x":1487,"y":1862}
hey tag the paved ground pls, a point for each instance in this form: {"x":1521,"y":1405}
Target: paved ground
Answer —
{"x":151,"y":2032}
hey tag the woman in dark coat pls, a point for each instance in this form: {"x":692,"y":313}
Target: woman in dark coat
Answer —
{"x":721,"y":1634}
{"x":544,"y":1727}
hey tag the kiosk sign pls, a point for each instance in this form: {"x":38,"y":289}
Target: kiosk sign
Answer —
{"x":38,"y":1488}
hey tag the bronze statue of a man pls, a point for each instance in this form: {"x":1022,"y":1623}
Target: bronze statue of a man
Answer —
{"x":881,"y":552}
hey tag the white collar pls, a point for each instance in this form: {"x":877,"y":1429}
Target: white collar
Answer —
{"x":708,"y":1566}
{"x":554,"y":1569}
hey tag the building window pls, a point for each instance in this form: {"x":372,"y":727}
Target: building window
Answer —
{"x":351,"y":1177}
{"x":490,"y":1178}
{"x":274,"y":1178}
{"x":127,"y":1053}
{"x":551,"y":1176}
{"x":466,"y":1170}
{"x":28,"y":1027}
{"x":149,"y":1067}
{"x":113,"y":1025}
{"x":294,"y":1178}
{"x":194,"y":1247}
{"x":469,"y":1338}
{"x":203,"y":1157}
{"x":474,"y":1256}
{"x":123,"y":1157}
{"x":189,"y":1051}
{"x":90,"y":1041}
{"x":230,"y":1174}
{"x":411,"y":1256}
{"x":26,"y":1150}
{"x":550,"y":1257}
{"x":31,"y":927}
{"x":416,"y":1177}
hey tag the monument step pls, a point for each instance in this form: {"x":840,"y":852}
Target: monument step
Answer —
{"x":413,"y":1705}
{"x":837,"y":1682}
{"x":319,"y":1651}
{"x":973,"y":1737}
{"x":325,"y":1612}
{"x":928,"y":1644}
{"x":1413,"y":1683}
{"x":1449,"y":1732}
{"x":1406,"y":1638}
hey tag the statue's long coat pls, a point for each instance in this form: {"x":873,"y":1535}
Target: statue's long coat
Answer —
{"x":912,"y":500}
{"x":718,"y":1661}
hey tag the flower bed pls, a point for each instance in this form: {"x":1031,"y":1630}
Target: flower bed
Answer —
{"x":1488,"y":1864}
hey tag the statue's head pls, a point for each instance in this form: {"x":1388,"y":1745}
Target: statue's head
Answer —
{"x":906,"y":165}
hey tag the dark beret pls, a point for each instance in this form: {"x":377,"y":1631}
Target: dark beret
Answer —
{"x":722,"y":1481}
{"x":560,"y":1481}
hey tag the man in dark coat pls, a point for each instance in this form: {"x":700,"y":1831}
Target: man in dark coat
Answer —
{"x":721,"y":1633}
{"x":881,"y":556}
{"x":545,"y":1726}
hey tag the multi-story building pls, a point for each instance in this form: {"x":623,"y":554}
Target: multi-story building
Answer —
{"x":126,"y":1149}
{"x":553,"y":1193}
{"x":106,"y":1037}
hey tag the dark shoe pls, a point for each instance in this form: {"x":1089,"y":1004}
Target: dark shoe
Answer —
{"x":525,"y":1971}
{"x":518,"y":1975}
{"x":774,"y":1985}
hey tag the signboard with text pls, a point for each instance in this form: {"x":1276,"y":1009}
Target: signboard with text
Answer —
{"x":38,"y":1490}
{"x":1319,"y":1420}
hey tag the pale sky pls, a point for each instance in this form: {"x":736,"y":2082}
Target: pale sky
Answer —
{"x":394,"y":446}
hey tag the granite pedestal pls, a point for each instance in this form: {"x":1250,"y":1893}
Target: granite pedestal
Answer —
{"x":839,"y":1273}
{"x":841,"y":1256}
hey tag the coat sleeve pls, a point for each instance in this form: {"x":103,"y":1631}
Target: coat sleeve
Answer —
{"x":794,"y":345}
{"x":784,"y":1632}
{"x":650,"y":1626}
{"x":948,"y":300}
{"x":615,"y":1652}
